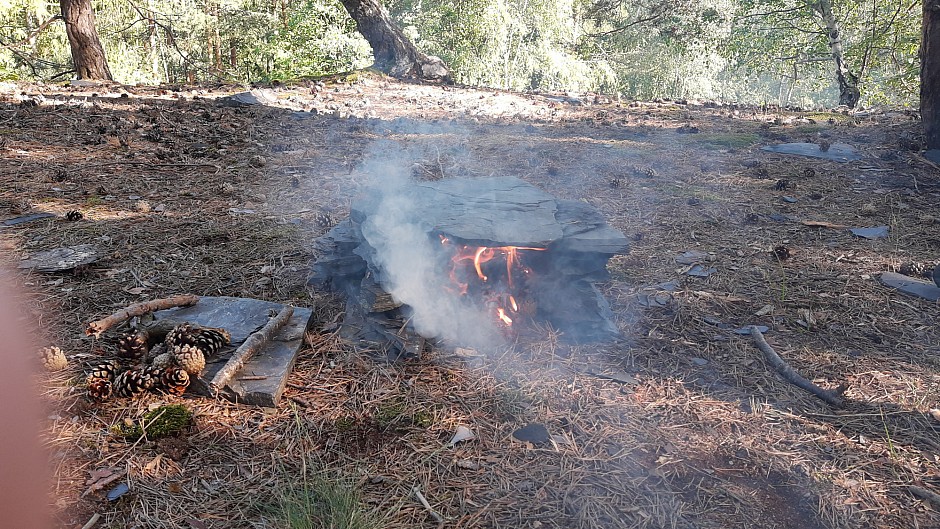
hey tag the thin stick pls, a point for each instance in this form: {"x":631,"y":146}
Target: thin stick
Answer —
{"x":92,"y":521}
{"x":249,"y":348}
{"x":832,"y":397}
{"x":417,"y":492}
{"x":95,"y":328}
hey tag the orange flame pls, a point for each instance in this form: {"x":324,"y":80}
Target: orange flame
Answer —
{"x":501,"y":291}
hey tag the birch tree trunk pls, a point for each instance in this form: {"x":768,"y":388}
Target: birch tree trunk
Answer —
{"x":848,"y":81}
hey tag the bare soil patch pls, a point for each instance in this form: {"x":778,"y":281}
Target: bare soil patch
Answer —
{"x":185,"y":195}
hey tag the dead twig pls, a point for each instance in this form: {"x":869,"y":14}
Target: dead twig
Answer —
{"x":831,"y":397}
{"x":437,"y":517}
{"x":92,"y":521}
{"x":97,"y":327}
{"x":252,"y":345}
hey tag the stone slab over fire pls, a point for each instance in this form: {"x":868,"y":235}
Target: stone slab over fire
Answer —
{"x":503,"y":246}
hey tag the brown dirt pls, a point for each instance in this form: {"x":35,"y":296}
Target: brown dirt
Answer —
{"x":183,"y":195}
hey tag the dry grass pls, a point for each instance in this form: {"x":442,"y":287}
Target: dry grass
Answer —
{"x":698,"y":432}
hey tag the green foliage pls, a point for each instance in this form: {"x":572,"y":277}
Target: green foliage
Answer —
{"x":164,"y":421}
{"x":744,"y":50}
{"x":321,"y":503}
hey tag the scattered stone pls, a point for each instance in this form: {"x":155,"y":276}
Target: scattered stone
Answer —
{"x":61,"y":259}
{"x":746,"y":330}
{"x":462,"y":434}
{"x":878,"y":232}
{"x":692,"y":257}
{"x":700,"y":271}
{"x":837,"y":152}
{"x":534,"y":433}
{"x":790,"y":200}
{"x":910,"y":286}
{"x":27,"y":218}
{"x":699,"y":361}
{"x":118,"y":491}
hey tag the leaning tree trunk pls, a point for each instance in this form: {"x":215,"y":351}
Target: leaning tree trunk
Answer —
{"x":394,"y":53}
{"x":848,"y":82}
{"x":87,"y":52}
{"x":930,"y":73}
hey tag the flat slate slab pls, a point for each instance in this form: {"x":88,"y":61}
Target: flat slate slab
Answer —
{"x":263,"y":379}
{"x":837,"y":152}
{"x":910,"y":286}
{"x":61,"y":259}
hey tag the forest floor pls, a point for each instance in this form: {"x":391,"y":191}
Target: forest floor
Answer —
{"x":681,"y":424}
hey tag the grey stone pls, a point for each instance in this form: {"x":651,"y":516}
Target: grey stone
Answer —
{"x":878,"y":232}
{"x":242,"y":317}
{"x":910,"y":286}
{"x":61,"y":259}
{"x":746,"y":330}
{"x":534,"y":433}
{"x":701,"y":271}
{"x":26,"y":218}
{"x":838,"y":152}
{"x":245,"y":99}
{"x":691,"y":257}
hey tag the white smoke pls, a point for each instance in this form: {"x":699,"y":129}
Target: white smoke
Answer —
{"x":414,"y":272}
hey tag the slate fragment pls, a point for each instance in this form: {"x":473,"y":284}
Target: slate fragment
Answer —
{"x":877,"y":232}
{"x":534,"y":433}
{"x":912,"y":287}
{"x":837,"y":152}
{"x":61,"y":259}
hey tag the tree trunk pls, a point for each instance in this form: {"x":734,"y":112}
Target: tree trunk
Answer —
{"x":848,"y":81}
{"x":87,"y":53}
{"x":930,"y":73}
{"x":394,"y":53}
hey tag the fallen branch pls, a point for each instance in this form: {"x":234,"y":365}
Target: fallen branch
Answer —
{"x":437,"y":517}
{"x":249,"y":348}
{"x":95,"y":328}
{"x":832,"y":397}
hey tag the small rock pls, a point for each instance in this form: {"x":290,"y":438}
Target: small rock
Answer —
{"x":534,"y":433}
{"x":699,"y":361}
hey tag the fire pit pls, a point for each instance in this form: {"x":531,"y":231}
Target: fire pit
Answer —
{"x":470,"y":261}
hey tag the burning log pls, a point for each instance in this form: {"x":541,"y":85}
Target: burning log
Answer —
{"x":463,"y":259}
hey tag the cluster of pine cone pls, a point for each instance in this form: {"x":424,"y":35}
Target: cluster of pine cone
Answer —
{"x":166,"y":366}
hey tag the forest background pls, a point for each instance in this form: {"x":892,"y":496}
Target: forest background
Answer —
{"x":750,"y":51}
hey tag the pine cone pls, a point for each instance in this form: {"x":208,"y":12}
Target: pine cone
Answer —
{"x":133,"y":345}
{"x":155,"y":352}
{"x":164,"y":361}
{"x":104,"y":370}
{"x":915,"y":269}
{"x":208,"y":339}
{"x":133,"y":382}
{"x":211,"y":340}
{"x":53,"y":359}
{"x":324,"y":219}
{"x":99,"y":389}
{"x":174,"y":380}
{"x":190,"y":358}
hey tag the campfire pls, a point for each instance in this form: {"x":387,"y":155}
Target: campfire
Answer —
{"x":474,"y":262}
